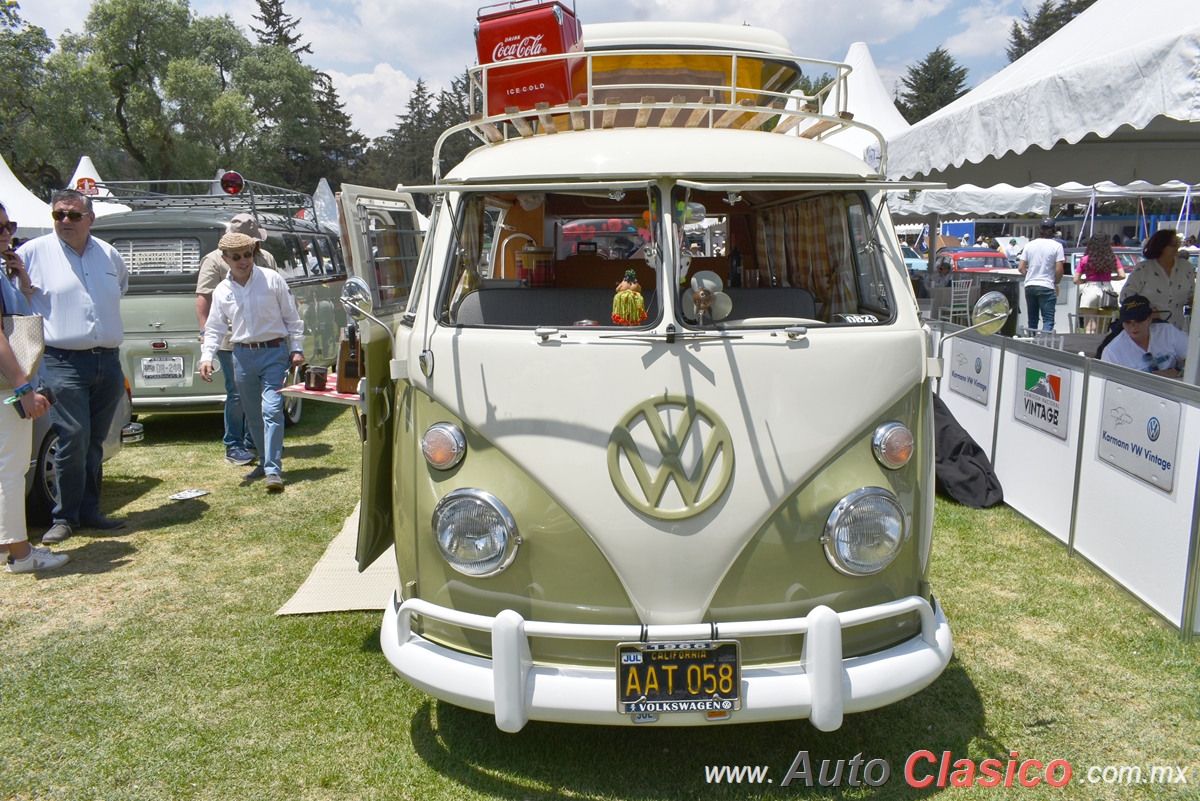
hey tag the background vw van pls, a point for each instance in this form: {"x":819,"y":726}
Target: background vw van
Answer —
{"x":163,"y":240}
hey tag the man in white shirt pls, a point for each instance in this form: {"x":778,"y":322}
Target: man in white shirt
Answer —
{"x":1042,"y":265}
{"x":1159,"y":349}
{"x":78,"y":282}
{"x":268,"y":338}
{"x":213,"y":270}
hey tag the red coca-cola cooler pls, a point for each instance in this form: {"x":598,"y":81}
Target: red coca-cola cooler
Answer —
{"x":525,"y":29}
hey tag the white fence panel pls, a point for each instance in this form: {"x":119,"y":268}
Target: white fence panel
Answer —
{"x":1036,"y":466}
{"x":971,"y":373}
{"x":1138,"y":533}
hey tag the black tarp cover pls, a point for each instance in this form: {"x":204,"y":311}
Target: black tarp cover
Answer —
{"x":964,"y":471}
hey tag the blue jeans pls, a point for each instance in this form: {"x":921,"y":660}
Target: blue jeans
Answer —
{"x":236,"y":435}
{"x":1040,"y":300}
{"x":260,"y":374}
{"x":87,"y":387}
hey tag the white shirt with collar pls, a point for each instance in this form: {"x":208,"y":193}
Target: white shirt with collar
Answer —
{"x":262,"y":310}
{"x":79,"y":297}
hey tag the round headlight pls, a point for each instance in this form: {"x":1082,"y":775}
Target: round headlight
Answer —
{"x":475,"y":533}
{"x":444,"y":445}
{"x":893,"y":445}
{"x":864,"y":532}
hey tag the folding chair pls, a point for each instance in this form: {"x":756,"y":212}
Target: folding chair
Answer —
{"x":1082,"y":321}
{"x":958,"y":310}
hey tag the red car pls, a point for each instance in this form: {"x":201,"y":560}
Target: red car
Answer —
{"x":973,"y":260}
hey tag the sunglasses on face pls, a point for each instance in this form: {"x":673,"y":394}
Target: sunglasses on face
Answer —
{"x":10,"y":227}
{"x":240,"y":256}
{"x":74,"y":216}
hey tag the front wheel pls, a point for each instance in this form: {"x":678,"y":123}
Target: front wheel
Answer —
{"x":292,"y":407}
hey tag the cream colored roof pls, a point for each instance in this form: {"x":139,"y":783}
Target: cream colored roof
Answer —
{"x":622,"y":153}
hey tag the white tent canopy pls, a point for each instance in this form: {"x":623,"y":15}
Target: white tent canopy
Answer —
{"x":999,"y":199}
{"x":30,"y":212}
{"x":1003,"y":199}
{"x":870,"y":102}
{"x":1110,"y":96}
{"x":87,"y":180}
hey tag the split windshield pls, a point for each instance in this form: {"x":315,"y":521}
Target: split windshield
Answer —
{"x":729,"y":260}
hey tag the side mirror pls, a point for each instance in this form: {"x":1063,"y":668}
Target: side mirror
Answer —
{"x":356,"y":297}
{"x":989,"y":313}
{"x":987,"y":318}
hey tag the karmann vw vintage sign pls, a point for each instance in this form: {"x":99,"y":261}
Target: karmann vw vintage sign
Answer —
{"x":709,"y":475}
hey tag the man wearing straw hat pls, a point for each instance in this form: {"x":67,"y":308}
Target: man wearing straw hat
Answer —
{"x":257,"y":308}
{"x":213,"y":270}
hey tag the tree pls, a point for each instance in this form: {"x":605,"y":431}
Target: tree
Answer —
{"x":287,"y":142}
{"x":149,"y":91}
{"x":277,"y":28}
{"x":930,"y":85}
{"x":23,"y":52}
{"x":342,"y":147}
{"x":810,"y":86}
{"x":1039,"y":26}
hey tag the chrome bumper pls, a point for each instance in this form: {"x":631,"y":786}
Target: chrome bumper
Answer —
{"x":132,"y":432}
{"x":821,"y":686}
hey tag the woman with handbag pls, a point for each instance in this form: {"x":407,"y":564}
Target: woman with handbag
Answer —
{"x":1094,"y":275}
{"x":16,"y":429}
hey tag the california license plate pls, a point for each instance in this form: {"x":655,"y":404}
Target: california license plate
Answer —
{"x":656,"y":677}
{"x":162,"y":367}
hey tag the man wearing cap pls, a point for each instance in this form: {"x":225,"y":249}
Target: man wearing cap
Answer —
{"x":213,"y":270}
{"x":1042,"y":265}
{"x":1012,"y":252}
{"x":78,"y":282}
{"x":255,"y":306}
{"x":1142,"y":345}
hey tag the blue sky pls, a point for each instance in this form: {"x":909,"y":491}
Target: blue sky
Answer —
{"x":376,"y":49}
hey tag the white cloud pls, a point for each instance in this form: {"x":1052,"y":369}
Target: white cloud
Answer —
{"x":986,"y":32}
{"x":374,"y":99}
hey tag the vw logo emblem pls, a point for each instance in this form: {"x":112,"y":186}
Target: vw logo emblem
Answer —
{"x":978,"y":365}
{"x":1153,"y":429}
{"x":648,"y":494}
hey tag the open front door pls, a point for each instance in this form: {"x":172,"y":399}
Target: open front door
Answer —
{"x":384,"y":240}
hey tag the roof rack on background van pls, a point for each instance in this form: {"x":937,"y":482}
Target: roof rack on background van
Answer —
{"x":230,"y":192}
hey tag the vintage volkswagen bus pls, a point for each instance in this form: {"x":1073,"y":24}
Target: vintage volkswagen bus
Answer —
{"x":170,"y":227}
{"x":716,"y":505}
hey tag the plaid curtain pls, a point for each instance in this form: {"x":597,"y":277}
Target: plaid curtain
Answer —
{"x":808,"y":245}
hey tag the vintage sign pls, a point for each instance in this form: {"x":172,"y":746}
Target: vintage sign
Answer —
{"x":1043,"y":396}
{"x":1139,"y":434}
{"x":970,"y":370}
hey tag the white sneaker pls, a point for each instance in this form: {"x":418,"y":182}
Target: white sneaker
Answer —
{"x":39,"y":559}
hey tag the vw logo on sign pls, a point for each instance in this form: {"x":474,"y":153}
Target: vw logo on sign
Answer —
{"x":699,"y":487}
{"x":1153,"y":429}
{"x":978,"y":365}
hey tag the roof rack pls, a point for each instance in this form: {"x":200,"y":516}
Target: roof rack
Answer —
{"x":261,"y":200}
{"x":772,"y":107}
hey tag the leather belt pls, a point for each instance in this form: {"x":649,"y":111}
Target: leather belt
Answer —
{"x":270,"y":343}
{"x":53,"y":349}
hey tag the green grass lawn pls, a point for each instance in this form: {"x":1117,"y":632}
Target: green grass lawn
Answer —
{"x":153,"y":667}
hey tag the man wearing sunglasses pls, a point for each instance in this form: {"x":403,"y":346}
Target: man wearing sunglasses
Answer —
{"x":257,"y":307}
{"x":78,"y":282}
{"x":213,"y":269}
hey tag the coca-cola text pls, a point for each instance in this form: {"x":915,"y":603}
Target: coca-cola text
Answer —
{"x":527,"y":47}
